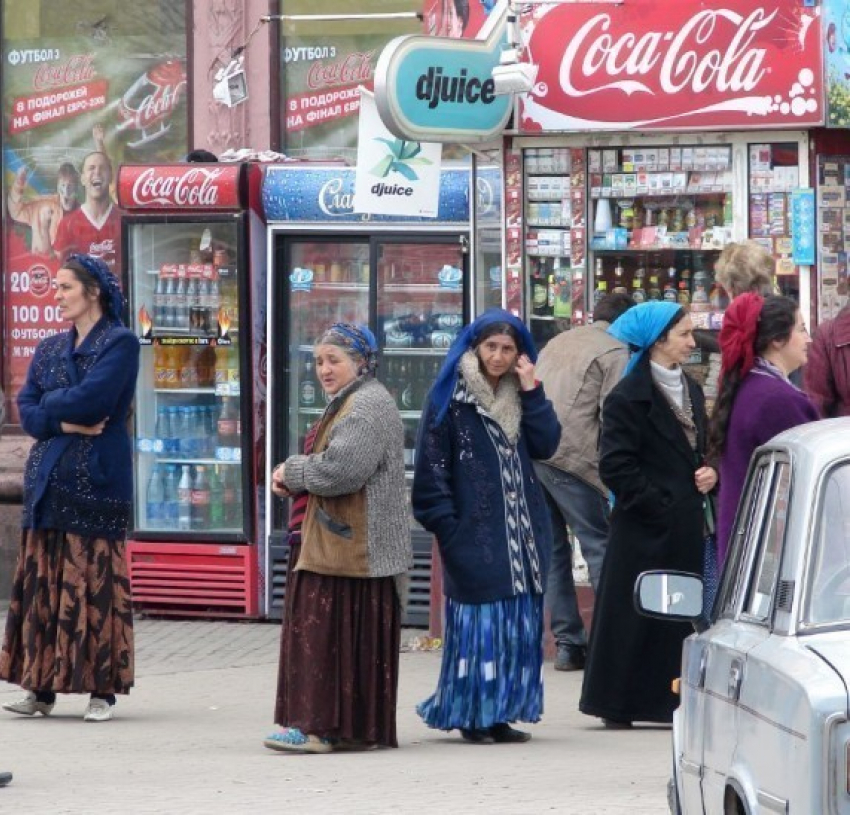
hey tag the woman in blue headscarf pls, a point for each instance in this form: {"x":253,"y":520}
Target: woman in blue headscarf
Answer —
{"x":474,"y":488}
{"x":349,"y":537}
{"x":652,"y":450}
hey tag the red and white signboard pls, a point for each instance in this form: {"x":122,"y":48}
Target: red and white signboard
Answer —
{"x":658,"y":66}
{"x":179,"y":186}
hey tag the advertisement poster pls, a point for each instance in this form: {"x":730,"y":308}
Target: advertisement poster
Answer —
{"x":79,"y":100}
{"x":322,"y":65}
{"x":836,"y":27}
{"x":660,"y":66}
{"x":394,"y":176}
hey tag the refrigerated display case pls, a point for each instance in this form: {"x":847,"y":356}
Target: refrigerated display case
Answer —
{"x":192,"y":546}
{"x":407,"y":279}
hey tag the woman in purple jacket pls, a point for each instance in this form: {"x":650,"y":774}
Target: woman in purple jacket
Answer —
{"x":762,"y":341}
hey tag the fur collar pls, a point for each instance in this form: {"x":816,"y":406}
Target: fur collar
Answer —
{"x":503,"y":406}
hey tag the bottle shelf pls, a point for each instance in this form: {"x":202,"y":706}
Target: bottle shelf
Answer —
{"x":160,"y":459}
{"x":638,"y":249}
{"x":538,"y":197}
{"x":665,"y":193}
{"x":414,"y":352}
{"x":544,"y":225}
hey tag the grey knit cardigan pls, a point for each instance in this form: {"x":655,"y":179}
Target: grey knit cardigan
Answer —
{"x":365,"y":447}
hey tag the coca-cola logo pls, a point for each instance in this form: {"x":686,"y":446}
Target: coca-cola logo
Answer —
{"x":693,"y":58}
{"x":79,"y":68}
{"x":196,"y":188}
{"x":40,"y":280}
{"x":648,"y":64}
{"x":354,"y":69}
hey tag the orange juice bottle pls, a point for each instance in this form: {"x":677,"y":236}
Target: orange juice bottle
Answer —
{"x":159,"y":366}
{"x":175,"y":363}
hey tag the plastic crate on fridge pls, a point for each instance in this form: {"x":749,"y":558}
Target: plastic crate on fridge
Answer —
{"x":418,"y":609}
{"x":194,"y":579}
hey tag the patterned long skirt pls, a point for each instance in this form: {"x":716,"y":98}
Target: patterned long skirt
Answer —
{"x":339,"y":656}
{"x":70,"y":622}
{"x":492,"y":669}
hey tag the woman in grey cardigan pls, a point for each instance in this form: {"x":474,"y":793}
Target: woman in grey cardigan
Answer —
{"x":350,"y":551}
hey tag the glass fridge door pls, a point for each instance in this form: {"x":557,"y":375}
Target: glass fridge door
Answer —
{"x":184,"y":302}
{"x":328,"y":283}
{"x":420,"y":311}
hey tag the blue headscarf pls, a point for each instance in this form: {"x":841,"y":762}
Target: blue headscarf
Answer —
{"x":357,"y":341}
{"x":641,"y":326}
{"x":446,"y":381}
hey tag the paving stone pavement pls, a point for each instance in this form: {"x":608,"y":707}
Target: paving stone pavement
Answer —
{"x":188,"y":740}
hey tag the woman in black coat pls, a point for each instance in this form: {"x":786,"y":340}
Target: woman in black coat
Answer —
{"x":651,"y":458}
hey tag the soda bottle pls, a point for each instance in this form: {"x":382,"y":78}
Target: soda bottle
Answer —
{"x":216,"y":500}
{"x":171,"y":497}
{"x":233,"y":368}
{"x":192,"y":303}
{"x":227,"y":427}
{"x":228,"y":497}
{"x":169,"y":315}
{"x":155,"y":500}
{"x":172,"y":367}
{"x":159,"y":302}
{"x":160,"y":366}
{"x":236,"y":505}
{"x":200,"y":499}
{"x":181,"y":305}
{"x":221,"y":358}
{"x":184,"y":500}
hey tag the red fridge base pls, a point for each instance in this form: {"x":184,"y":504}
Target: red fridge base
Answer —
{"x":194,"y":579}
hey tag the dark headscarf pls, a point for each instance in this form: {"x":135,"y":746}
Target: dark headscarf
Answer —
{"x":357,"y":341}
{"x":446,"y":381}
{"x":111,"y":299}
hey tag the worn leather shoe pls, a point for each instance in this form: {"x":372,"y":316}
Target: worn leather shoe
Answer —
{"x":570,"y":658}
{"x":505,"y":734}
{"x":476,"y":736}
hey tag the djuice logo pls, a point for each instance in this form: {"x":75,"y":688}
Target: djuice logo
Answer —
{"x":434,"y":88}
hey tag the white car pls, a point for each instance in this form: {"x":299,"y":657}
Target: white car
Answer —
{"x":763,"y":725}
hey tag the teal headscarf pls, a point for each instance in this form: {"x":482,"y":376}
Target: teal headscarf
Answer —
{"x":641,"y":326}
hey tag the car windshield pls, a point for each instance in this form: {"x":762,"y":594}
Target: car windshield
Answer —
{"x":830,"y":573}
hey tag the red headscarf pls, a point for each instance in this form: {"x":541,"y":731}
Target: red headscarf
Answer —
{"x":738,"y":334}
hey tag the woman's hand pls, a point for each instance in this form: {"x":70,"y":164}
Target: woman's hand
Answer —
{"x":706,"y":479}
{"x":82,"y":429}
{"x":278,"y":487}
{"x":525,"y":371}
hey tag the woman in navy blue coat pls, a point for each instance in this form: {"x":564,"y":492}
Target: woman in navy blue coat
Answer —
{"x":474,"y":488}
{"x":70,"y":626}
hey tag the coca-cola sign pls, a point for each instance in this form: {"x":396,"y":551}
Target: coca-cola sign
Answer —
{"x":189,"y":186}
{"x":148,"y":105}
{"x":651,"y":65}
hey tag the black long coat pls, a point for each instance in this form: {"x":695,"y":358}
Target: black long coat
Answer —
{"x":657,"y":523}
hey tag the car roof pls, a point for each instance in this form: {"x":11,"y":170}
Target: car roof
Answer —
{"x":814,"y":445}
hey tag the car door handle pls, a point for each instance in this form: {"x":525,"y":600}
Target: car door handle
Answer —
{"x":736,"y":674}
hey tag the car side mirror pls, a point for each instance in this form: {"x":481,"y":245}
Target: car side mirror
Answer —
{"x":669,"y":596}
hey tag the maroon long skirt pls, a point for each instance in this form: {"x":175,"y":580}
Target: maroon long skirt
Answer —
{"x":339,"y":656}
{"x":70,"y":623}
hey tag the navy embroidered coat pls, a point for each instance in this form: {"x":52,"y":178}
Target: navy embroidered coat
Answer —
{"x":75,"y":483}
{"x":461,"y":495}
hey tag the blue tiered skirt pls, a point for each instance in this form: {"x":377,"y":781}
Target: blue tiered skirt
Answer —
{"x":492,"y":669}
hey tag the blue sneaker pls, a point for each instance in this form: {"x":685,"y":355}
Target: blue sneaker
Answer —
{"x":292,"y":740}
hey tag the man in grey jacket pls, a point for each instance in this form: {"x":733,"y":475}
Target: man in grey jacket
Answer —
{"x":578,"y":369}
